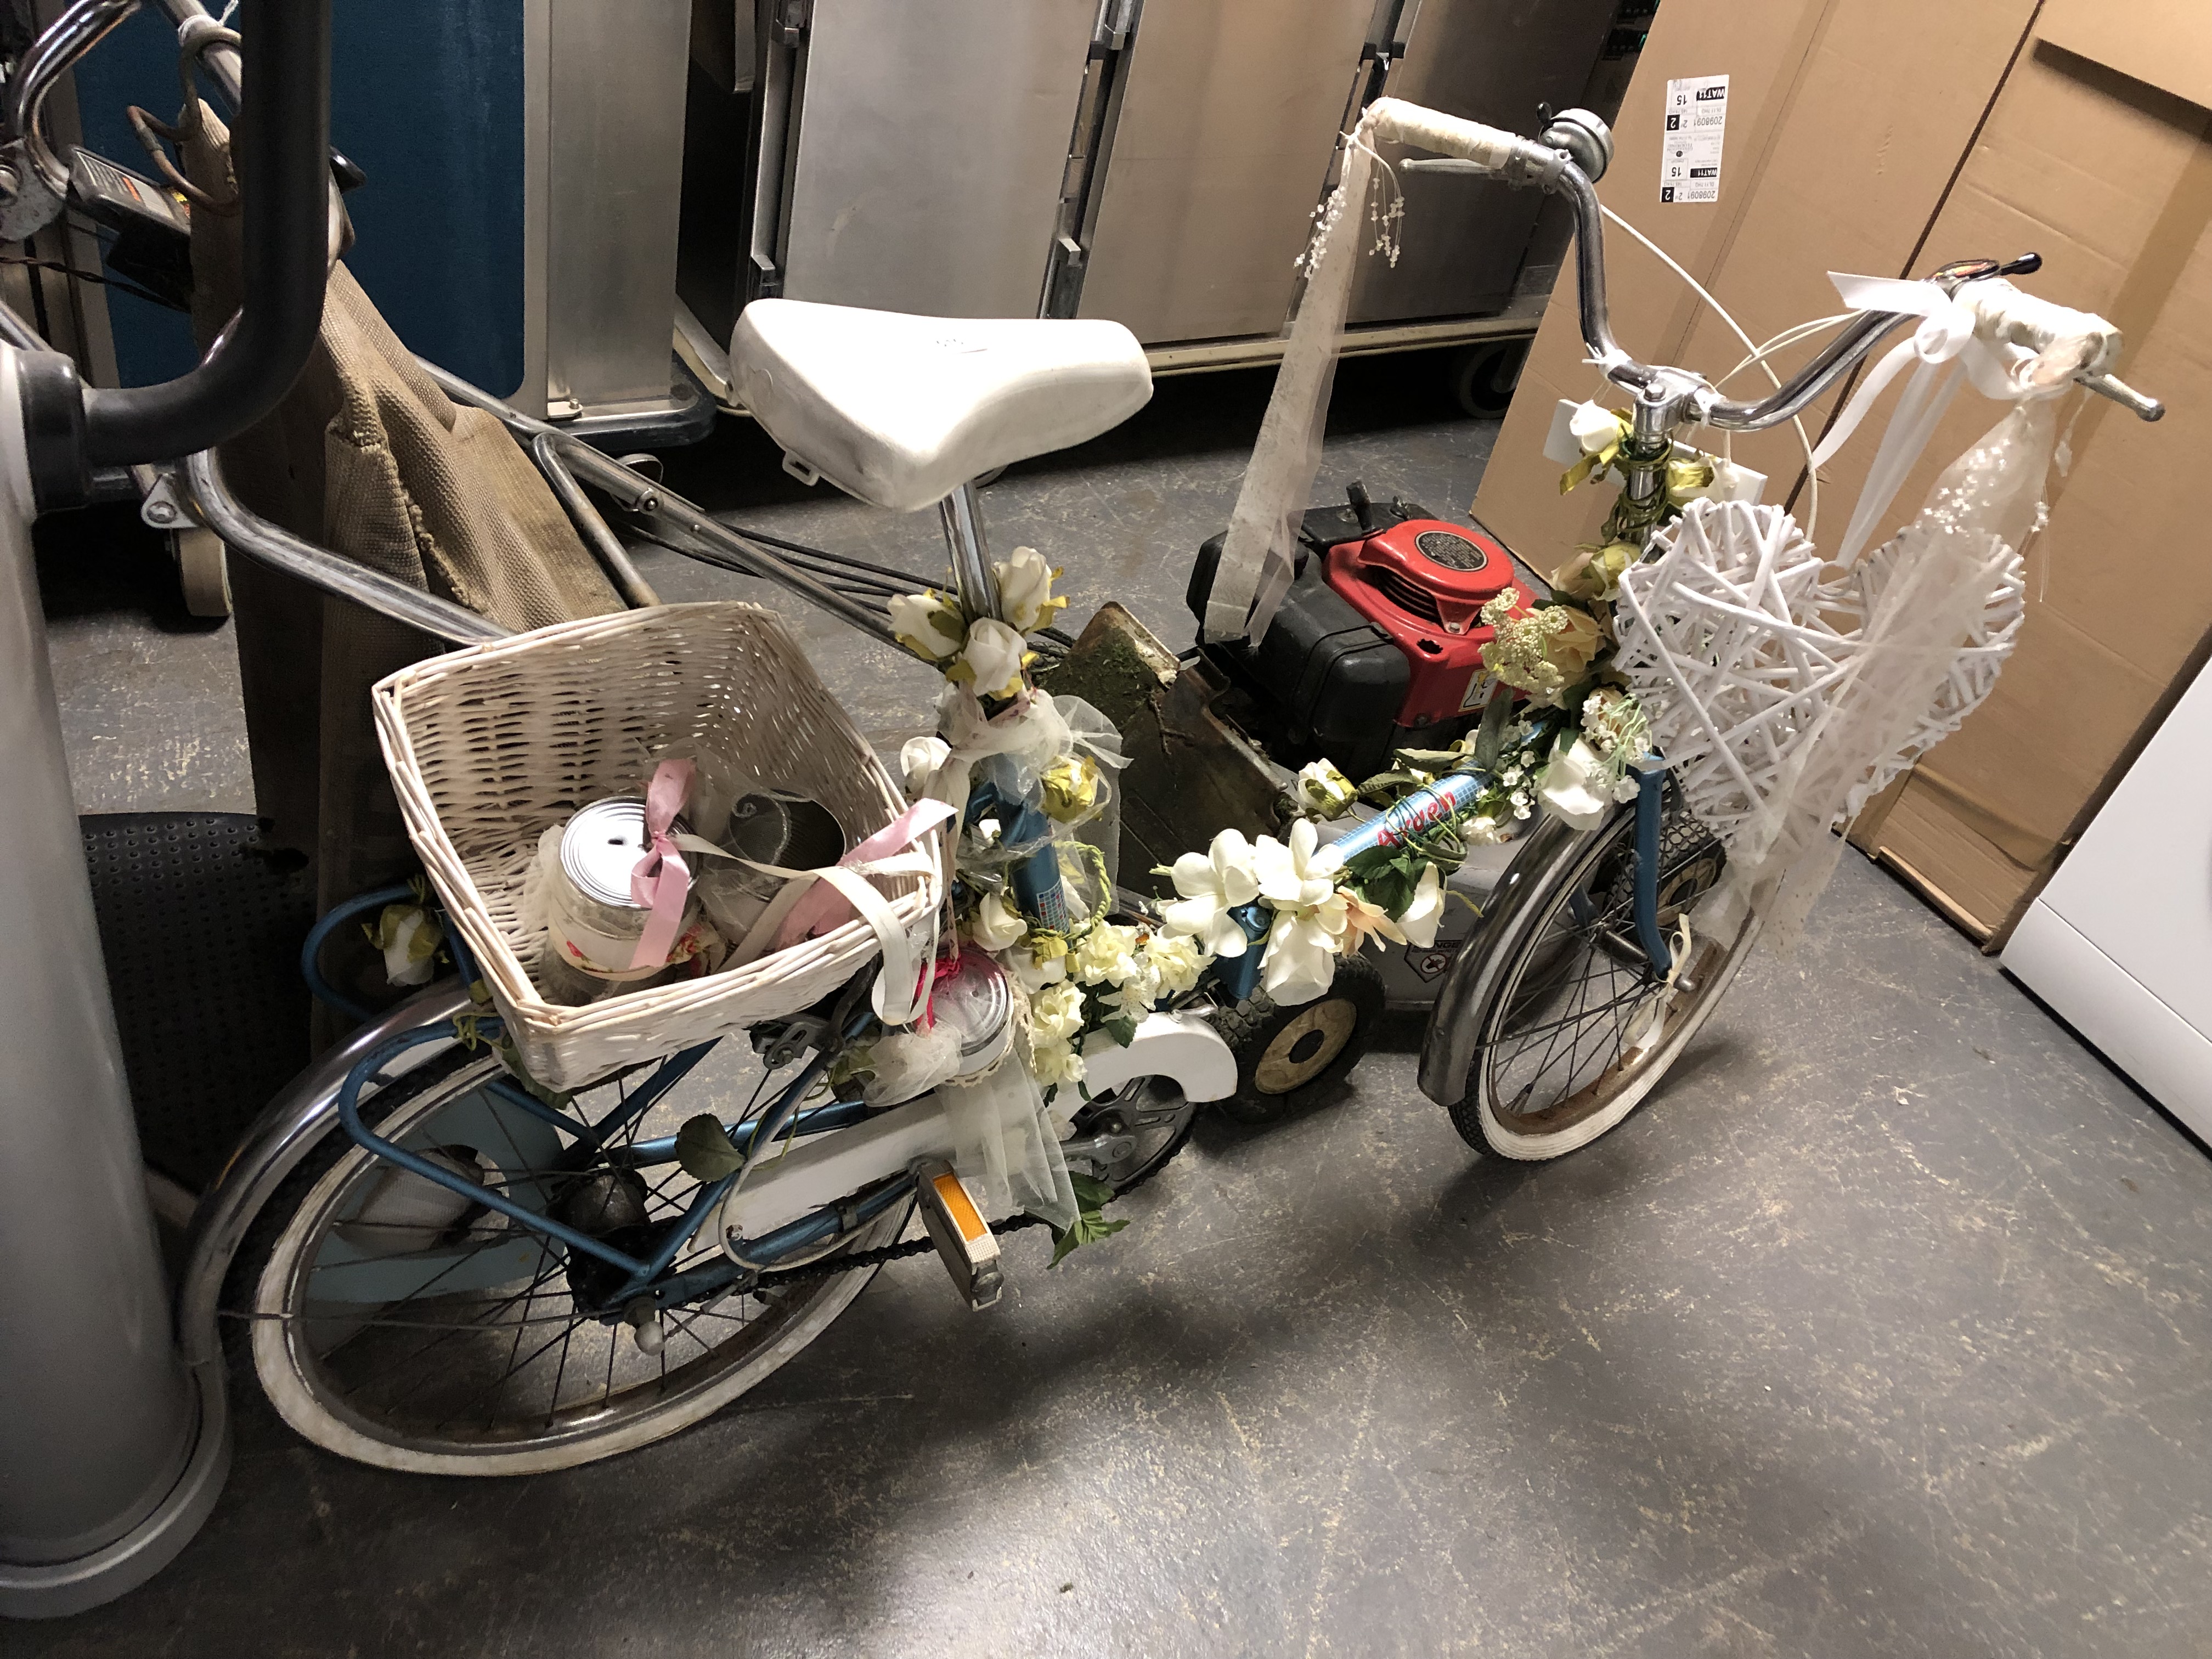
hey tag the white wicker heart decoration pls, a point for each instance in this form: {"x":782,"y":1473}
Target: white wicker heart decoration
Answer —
{"x":1759,"y":675}
{"x":1980,"y":654}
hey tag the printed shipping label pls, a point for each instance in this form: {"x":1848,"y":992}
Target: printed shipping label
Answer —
{"x":1690,"y":159}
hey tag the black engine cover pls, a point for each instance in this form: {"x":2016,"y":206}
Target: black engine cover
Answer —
{"x":1325,"y":680}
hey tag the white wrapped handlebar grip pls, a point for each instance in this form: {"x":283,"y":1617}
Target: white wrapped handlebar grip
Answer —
{"x":2004,"y":315}
{"x":1488,"y":148}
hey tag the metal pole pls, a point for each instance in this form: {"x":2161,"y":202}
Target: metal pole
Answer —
{"x":963,"y":514}
{"x":110,"y":1455}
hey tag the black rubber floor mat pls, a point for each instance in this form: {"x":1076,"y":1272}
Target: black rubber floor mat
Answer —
{"x":202,"y":938}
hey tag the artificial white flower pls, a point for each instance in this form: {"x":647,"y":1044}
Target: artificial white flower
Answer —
{"x":1424,"y":910}
{"x":1614,"y":722}
{"x":927,"y":624}
{"x":919,"y":759}
{"x":1025,"y":598}
{"x":1481,"y":832}
{"x":410,"y":947}
{"x":1056,"y":1013}
{"x":1137,"y":993}
{"x":1302,"y":949}
{"x":1363,"y":921}
{"x":1628,"y":788}
{"x":1035,"y":972}
{"x":1595,"y":427}
{"x":1105,"y":955}
{"x":1177,"y":960}
{"x":1319,"y":787}
{"x":997,"y":924}
{"x":1300,"y":873}
{"x":1212,"y":884}
{"x":1576,"y":786}
{"x":1054,"y":1063}
{"x":991,"y":661}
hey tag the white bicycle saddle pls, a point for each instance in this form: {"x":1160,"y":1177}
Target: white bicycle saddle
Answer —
{"x":901,"y":411}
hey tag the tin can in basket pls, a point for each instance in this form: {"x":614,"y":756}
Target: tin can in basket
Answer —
{"x":592,"y":920}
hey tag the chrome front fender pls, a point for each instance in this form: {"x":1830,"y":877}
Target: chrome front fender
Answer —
{"x":284,"y":1133}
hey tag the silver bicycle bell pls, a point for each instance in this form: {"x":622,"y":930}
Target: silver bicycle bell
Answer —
{"x":1587,"y":139}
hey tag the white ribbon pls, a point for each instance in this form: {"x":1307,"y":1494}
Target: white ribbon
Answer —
{"x":1987,"y":328}
{"x":896,"y":996}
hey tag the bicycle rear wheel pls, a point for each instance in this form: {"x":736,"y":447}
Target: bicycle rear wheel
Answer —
{"x":1580,"y":1029}
{"x":391,"y":1321}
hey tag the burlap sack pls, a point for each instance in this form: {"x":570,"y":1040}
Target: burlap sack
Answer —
{"x":365,"y":456}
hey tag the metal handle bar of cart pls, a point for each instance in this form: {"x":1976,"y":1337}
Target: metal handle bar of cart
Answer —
{"x":70,"y":427}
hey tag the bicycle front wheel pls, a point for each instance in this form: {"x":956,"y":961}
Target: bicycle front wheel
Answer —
{"x":391,"y":1322}
{"x":1580,"y":1030}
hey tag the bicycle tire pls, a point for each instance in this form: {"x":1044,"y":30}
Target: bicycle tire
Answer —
{"x":268,"y":1325}
{"x":1494,"y":1118}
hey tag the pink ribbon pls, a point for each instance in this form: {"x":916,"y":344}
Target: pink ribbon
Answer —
{"x":661,"y":880}
{"x":822,"y":907}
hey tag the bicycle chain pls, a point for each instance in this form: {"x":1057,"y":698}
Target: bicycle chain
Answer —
{"x":887,"y":1253}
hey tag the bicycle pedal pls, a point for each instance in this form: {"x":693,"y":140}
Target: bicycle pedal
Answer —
{"x":965,"y":1244}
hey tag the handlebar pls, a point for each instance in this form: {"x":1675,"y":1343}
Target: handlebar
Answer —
{"x":1470,"y":147}
{"x":281,"y":153}
{"x":73,"y":34}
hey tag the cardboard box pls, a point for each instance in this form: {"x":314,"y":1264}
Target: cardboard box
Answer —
{"x":2078,"y":131}
{"x":1839,"y":151}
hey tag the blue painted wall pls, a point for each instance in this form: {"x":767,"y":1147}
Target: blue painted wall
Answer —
{"x":426,"y":96}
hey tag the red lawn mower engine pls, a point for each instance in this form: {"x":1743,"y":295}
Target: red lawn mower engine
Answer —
{"x":1378,"y":643}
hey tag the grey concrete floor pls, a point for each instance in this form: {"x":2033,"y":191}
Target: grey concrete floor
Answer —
{"x":1881,"y":1330}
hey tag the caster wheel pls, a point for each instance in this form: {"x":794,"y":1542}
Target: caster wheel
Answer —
{"x":1287,"y":1056}
{"x":202,"y":572}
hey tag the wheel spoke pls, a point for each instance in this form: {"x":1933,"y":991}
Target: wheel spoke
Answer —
{"x":442,"y":1343}
{"x":1559,"y":1048}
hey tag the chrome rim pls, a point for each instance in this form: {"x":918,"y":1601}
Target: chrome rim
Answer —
{"x":1583,"y":1018}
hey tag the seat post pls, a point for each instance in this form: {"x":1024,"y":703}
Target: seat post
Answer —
{"x":963,"y":514}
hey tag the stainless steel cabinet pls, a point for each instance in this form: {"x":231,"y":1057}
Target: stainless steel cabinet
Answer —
{"x":930,"y":143}
{"x":1153,"y":161}
{"x":1224,"y":138}
{"x":603,"y":157}
{"x":1494,"y":61}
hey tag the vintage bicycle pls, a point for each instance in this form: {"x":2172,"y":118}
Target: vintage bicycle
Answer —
{"x":429,"y":1263}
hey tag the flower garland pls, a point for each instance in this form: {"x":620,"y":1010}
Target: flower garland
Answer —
{"x":1582,"y":738}
{"x":1574,"y":750}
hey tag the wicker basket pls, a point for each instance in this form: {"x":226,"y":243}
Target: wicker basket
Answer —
{"x":488,"y":746}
